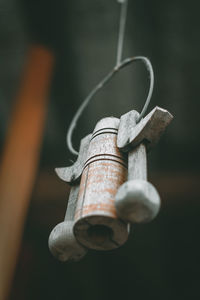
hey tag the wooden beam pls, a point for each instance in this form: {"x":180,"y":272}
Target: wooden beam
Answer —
{"x":20,"y":158}
{"x":172,"y":186}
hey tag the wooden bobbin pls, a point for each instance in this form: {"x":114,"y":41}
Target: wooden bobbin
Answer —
{"x":96,"y":223}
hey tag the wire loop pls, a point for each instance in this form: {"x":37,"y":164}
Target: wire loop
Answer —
{"x":101,"y":84}
{"x":119,"y":65}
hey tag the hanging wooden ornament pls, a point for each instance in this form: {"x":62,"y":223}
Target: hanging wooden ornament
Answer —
{"x":109,"y":183}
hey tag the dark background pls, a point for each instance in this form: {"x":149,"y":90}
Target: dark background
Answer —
{"x":161,"y":259}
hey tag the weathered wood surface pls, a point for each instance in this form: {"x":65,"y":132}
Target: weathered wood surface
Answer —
{"x":137,"y":163}
{"x":73,"y":173}
{"x":92,"y":219}
{"x":62,"y":242}
{"x":71,"y":206}
{"x":137,"y":201}
{"x":148,"y":130}
{"x":126,"y":125}
{"x":96,"y":223}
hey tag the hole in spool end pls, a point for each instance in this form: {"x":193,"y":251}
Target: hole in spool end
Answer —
{"x":99,"y":234}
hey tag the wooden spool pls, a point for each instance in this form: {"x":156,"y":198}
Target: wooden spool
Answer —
{"x":96,"y":223}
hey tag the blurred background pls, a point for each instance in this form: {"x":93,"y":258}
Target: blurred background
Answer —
{"x":52,"y":53}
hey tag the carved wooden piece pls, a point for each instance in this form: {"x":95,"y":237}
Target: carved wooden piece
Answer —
{"x":137,"y":201}
{"x":137,"y":163}
{"x":62,"y":242}
{"x":148,"y":130}
{"x":96,"y":223}
{"x":92,"y":220}
{"x":73,"y":173}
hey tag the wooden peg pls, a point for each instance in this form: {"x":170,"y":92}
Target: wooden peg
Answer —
{"x":137,"y":200}
{"x":62,"y":242}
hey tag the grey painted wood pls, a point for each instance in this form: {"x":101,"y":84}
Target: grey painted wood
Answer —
{"x":73,"y":173}
{"x":71,"y":206}
{"x":126,"y":126}
{"x":137,"y":163}
{"x":63,"y":245}
{"x":148,"y":130}
{"x":137,"y":201}
{"x":62,"y":242}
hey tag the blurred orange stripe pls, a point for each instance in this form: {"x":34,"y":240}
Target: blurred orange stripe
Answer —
{"x":20,"y":158}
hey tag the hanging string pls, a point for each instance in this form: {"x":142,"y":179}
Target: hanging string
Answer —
{"x":119,"y":65}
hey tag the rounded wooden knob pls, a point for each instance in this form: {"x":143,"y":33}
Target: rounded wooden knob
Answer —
{"x":137,"y":201}
{"x":63,"y":244}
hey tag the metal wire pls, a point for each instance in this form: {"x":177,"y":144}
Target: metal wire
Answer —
{"x":122,"y":27}
{"x":102,"y":83}
{"x":119,"y":65}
